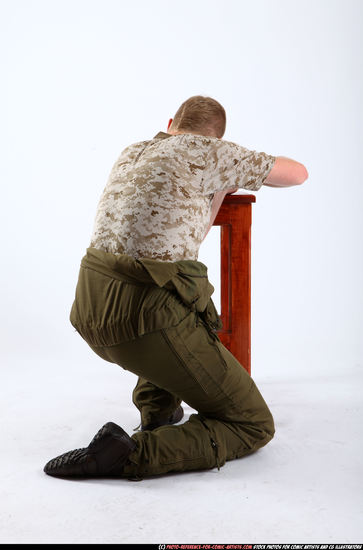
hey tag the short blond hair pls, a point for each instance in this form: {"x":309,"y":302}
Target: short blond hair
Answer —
{"x":200,"y":114}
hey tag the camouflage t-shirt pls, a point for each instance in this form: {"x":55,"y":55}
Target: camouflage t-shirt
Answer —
{"x":157,"y":200}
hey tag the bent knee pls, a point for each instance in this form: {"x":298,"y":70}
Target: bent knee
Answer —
{"x":263,"y":416}
{"x":269,"y":425}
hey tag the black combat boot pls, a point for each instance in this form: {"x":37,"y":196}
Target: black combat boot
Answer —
{"x":175,"y":417}
{"x":105,"y":455}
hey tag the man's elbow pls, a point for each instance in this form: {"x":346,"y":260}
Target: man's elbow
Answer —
{"x":301,"y":175}
{"x":286,"y":172}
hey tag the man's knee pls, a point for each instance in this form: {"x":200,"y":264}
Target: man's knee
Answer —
{"x":257,"y":414}
{"x":269,"y":425}
{"x":266,"y":422}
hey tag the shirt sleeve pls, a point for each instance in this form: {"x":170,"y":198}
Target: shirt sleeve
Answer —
{"x":232,"y":165}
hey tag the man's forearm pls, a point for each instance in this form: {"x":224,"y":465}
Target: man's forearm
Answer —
{"x":280,"y":184}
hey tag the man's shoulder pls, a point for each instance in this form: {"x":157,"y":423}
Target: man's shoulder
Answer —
{"x":184,"y":139}
{"x":181,"y":144}
{"x":218,"y":146}
{"x":132,"y":150}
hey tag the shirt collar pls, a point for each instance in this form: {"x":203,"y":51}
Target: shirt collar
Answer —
{"x":162,"y":135}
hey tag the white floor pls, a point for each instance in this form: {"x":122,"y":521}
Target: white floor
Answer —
{"x":305,"y":486}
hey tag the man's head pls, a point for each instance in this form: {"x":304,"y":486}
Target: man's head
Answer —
{"x":199,"y":115}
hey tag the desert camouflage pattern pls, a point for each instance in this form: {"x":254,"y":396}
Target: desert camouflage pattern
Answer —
{"x":157,"y":200}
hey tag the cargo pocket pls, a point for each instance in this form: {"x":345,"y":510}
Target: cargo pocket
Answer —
{"x":218,"y":346}
{"x":198,"y":354}
{"x":216,"y":343}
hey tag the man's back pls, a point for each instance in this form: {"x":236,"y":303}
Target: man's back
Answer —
{"x":157,"y":201}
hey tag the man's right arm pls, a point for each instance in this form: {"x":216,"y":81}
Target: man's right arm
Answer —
{"x":286,"y":172}
{"x":232,"y":166}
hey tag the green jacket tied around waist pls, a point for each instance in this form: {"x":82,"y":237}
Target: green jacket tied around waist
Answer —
{"x":119,"y":298}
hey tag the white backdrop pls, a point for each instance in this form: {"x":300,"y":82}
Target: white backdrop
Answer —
{"x":83,"y":79}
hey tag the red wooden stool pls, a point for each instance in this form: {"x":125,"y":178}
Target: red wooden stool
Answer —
{"x":234,"y":217}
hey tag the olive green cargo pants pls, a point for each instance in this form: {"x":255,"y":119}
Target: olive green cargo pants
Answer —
{"x":188,"y":362}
